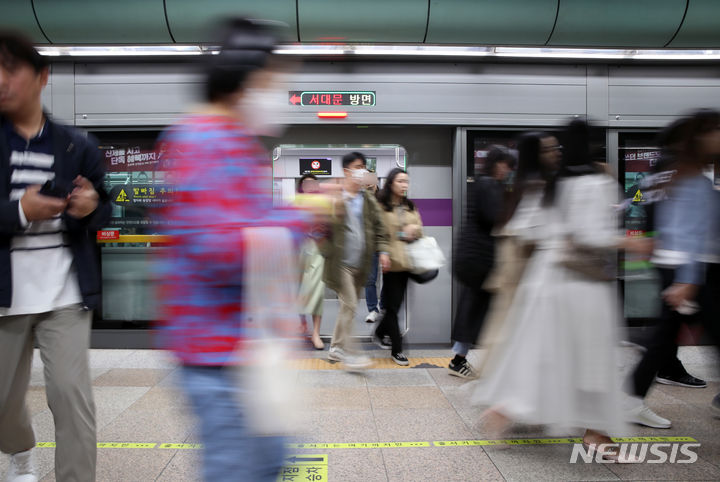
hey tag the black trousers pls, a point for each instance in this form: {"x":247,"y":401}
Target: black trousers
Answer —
{"x":392,"y":295}
{"x":661,"y":351}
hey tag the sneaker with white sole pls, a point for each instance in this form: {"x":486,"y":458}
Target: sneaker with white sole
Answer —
{"x":462,"y":369}
{"x":642,"y":415}
{"x":357,"y":362}
{"x":684,"y":380}
{"x":400,"y":359}
{"x":371,"y":317}
{"x":336,"y":354}
{"x":381,"y":342}
{"x":22,"y":468}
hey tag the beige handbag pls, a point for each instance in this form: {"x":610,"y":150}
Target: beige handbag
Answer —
{"x":591,"y":263}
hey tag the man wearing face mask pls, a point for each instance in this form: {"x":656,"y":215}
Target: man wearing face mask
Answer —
{"x":355,"y":236}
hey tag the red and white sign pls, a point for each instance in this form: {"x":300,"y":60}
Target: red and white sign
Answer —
{"x":315,"y":164}
{"x":108,"y":234}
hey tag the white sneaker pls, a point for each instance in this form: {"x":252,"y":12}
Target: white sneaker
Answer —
{"x":336,"y":354}
{"x":22,"y":468}
{"x":357,"y":362}
{"x":642,"y":415}
{"x":371,"y":317}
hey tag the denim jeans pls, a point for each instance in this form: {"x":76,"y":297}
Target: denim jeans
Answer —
{"x":371,"y":296}
{"x":461,"y":348}
{"x":230,"y":451}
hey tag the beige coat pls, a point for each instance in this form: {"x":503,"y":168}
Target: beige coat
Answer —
{"x":394,"y":224}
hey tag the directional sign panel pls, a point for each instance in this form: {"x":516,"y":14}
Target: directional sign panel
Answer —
{"x":330,"y":98}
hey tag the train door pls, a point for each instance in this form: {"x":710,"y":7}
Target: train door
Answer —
{"x":291,"y":161}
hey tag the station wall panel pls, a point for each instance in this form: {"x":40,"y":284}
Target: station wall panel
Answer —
{"x":701,"y":27}
{"x":366,"y":21}
{"x":193,"y":21}
{"x":103,"y":21}
{"x":489,"y":22}
{"x":617,"y":23}
{"x":19,"y":15}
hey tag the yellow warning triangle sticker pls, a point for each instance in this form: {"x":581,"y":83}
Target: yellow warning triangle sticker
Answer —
{"x":638,"y":196}
{"x":122,"y":197}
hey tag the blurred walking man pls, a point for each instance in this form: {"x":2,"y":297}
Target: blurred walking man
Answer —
{"x":354,"y":239}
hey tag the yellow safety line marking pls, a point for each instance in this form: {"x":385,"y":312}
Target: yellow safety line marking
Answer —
{"x":138,"y":238}
{"x":360,"y":445}
{"x":180,"y":446}
{"x":384,"y":445}
{"x":547,"y":441}
{"x":378,"y":363}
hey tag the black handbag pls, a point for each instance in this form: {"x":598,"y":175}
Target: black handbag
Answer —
{"x":424,"y":277}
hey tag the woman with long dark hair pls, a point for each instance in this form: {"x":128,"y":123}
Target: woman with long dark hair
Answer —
{"x":403,"y":223}
{"x":558,"y":367}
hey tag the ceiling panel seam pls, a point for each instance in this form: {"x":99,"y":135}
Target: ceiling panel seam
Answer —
{"x":32,"y":3}
{"x":557,"y":14}
{"x":427,"y":23}
{"x":682,"y":21}
{"x":167,"y":21}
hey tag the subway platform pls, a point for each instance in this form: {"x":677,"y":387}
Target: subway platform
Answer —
{"x":389,"y":423}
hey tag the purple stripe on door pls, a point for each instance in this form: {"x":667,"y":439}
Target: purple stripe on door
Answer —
{"x":435,"y":212}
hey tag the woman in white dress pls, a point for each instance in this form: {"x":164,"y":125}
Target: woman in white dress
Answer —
{"x":558,"y":366}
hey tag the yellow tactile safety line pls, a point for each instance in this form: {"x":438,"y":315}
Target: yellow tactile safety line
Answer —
{"x":378,"y":363}
{"x":389,"y":445}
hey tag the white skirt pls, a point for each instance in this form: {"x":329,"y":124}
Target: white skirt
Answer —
{"x":558,"y":365}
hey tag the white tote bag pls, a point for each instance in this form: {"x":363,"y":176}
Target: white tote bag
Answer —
{"x":268,"y":383}
{"x":424,"y":255}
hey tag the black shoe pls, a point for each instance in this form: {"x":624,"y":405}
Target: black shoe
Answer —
{"x":685,"y":380}
{"x":462,"y":369}
{"x":382,"y":343}
{"x":400,"y":359}
{"x":715,"y":406}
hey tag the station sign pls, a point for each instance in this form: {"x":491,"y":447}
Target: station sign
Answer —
{"x":316,"y":166}
{"x":330,"y":98}
{"x":108,"y":234}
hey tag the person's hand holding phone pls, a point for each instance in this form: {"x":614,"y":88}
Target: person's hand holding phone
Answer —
{"x":83,"y":198}
{"x":39,"y":207}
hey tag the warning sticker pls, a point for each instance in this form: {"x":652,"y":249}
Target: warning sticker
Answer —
{"x":122,"y":197}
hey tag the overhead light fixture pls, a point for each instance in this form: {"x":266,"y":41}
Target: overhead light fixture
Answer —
{"x":332,"y":115}
{"x":366,"y":50}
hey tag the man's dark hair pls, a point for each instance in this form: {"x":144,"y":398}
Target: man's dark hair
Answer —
{"x":350,"y":157}
{"x":497,"y":155}
{"x":15,"y":47}
{"x":246,"y":46}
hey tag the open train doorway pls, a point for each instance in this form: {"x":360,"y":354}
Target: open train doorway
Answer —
{"x":291,"y":162}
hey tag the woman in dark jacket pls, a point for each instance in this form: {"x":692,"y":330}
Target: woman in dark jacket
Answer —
{"x":475,"y":255}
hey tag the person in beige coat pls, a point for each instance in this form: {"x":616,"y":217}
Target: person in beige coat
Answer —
{"x":403,"y":223}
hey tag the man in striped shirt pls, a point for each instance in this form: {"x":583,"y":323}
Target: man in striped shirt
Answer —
{"x":49,"y":278}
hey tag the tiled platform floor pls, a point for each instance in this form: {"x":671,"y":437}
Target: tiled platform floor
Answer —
{"x":137,"y":401}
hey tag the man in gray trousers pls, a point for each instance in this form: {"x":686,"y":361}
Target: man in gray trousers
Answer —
{"x":51,"y":203}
